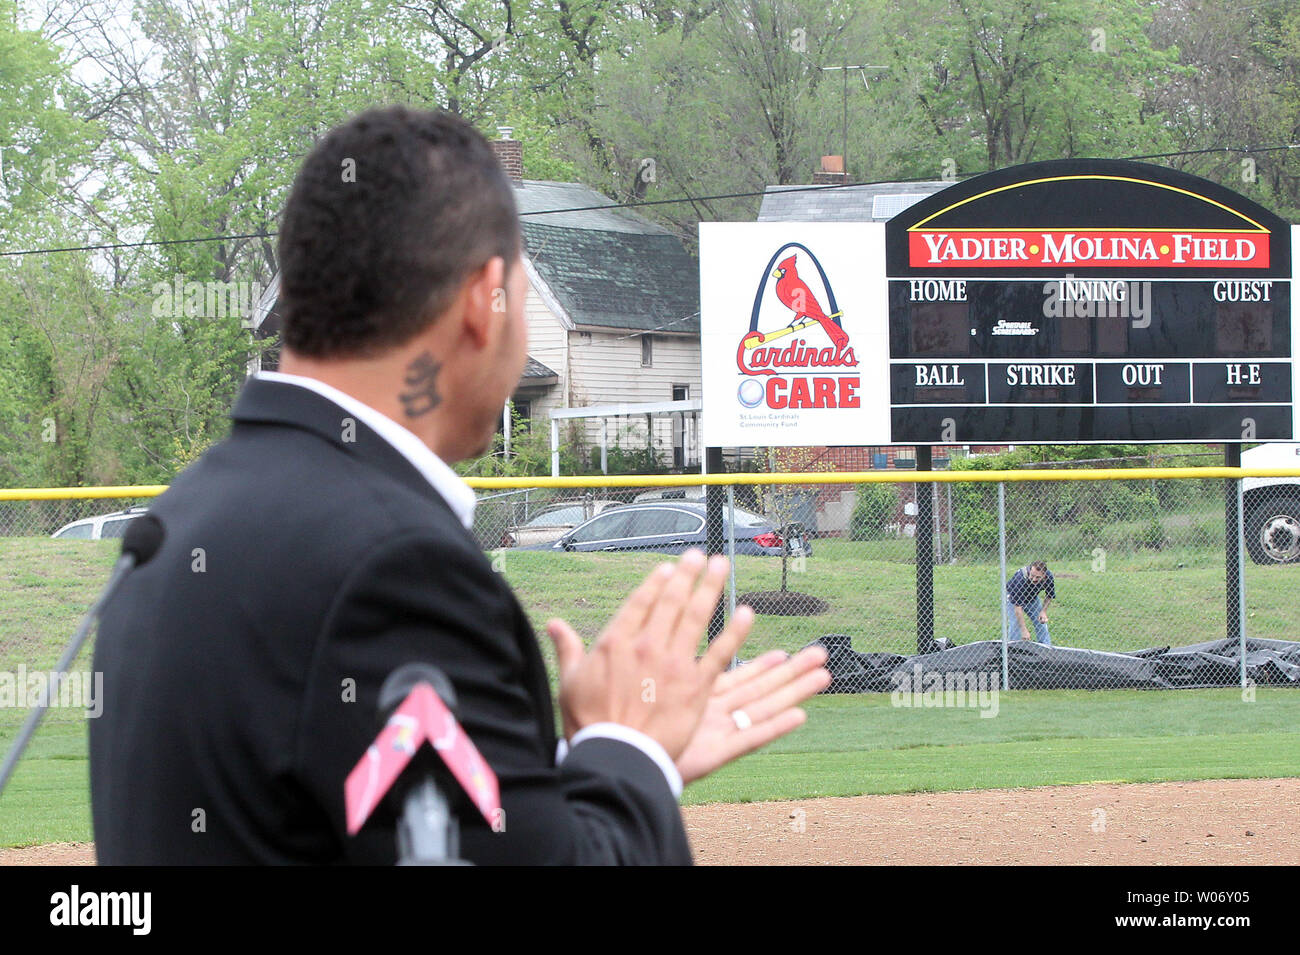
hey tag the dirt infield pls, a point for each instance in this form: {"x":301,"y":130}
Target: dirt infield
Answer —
{"x":1214,"y":822}
{"x":56,"y":853}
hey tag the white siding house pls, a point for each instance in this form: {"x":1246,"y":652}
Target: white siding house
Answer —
{"x":613,"y":309}
{"x":613,"y":318}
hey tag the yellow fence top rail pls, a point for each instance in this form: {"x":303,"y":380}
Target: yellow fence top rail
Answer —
{"x":80,"y":493}
{"x":876,"y":477}
{"x":696,"y":480}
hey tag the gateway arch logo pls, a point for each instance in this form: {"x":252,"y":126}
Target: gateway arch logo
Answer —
{"x":796,"y":329}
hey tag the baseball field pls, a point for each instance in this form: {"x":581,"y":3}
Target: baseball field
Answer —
{"x":1049,"y":775}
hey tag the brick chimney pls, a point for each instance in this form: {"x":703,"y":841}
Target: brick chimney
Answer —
{"x":510,"y":152}
{"x":831,"y":173}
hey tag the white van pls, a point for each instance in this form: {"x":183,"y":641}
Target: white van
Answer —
{"x":1271,"y":506}
{"x":101,"y":527}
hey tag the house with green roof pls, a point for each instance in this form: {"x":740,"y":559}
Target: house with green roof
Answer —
{"x":613,"y":311}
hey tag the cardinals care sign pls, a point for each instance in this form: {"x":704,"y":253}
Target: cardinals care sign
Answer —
{"x":1058,"y":302}
{"x":793,"y":326}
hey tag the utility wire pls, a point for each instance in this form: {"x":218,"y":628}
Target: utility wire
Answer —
{"x":638,"y":204}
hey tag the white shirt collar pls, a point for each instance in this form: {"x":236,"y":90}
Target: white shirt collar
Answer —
{"x":458,"y":495}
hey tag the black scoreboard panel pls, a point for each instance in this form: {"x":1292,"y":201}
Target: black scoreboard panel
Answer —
{"x":1003,"y":318}
{"x":1035,"y":360}
{"x":1089,"y":300}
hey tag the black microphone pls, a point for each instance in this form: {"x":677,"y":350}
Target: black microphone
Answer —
{"x":427,"y":831}
{"x":143,"y":537}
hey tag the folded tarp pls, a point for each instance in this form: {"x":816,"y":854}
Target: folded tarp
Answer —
{"x":1034,"y":666}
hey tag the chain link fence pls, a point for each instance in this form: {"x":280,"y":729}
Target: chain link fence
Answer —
{"x":1034,"y":582}
{"x":70,"y":518}
{"x":1041,"y":583}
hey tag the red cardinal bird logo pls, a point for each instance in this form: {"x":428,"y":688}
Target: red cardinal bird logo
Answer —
{"x":795,"y":295}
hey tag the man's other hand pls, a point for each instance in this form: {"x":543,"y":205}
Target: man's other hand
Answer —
{"x":642,"y":671}
{"x":767,"y":690}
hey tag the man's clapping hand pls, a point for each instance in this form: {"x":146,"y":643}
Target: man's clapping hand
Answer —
{"x":642,"y":672}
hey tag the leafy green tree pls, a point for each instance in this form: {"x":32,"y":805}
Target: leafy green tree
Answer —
{"x":41,"y":137}
{"x":1009,"y":81}
{"x":727,"y":100}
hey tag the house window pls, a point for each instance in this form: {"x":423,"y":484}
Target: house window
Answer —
{"x":680,"y":393}
{"x":521,"y":413}
{"x":647,"y":351}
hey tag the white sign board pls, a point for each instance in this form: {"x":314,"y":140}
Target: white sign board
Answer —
{"x":794,"y":328}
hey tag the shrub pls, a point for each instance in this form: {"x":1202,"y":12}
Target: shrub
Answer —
{"x":873,"y":509}
{"x":1153,"y":535}
{"x":976,"y":530}
{"x":1091,"y":528}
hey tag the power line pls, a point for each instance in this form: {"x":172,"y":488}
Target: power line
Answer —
{"x":638,"y":204}
{"x":140,"y":245}
{"x":1217,"y":149}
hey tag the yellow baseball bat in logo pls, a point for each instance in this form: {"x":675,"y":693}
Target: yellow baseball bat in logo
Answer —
{"x":754,"y":339}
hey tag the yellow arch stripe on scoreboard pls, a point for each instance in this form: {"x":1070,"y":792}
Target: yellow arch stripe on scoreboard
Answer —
{"x":1140,"y":182}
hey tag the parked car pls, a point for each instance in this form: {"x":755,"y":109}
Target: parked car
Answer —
{"x":101,"y":527}
{"x":551,"y":524}
{"x":672,"y":494}
{"x":1271,"y":506}
{"x":745,"y":495}
{"x":671,"y":527}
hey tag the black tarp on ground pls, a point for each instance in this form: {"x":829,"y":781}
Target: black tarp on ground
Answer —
{"x":1033,"y":666}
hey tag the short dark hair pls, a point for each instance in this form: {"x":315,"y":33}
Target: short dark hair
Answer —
{"x":388,"y":215}
{"x":1038,"y":565}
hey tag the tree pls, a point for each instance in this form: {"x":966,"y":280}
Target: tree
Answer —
{"x":1009,"y":81}
{"x":726,"y":99}
{"x":51,"y":378}
{"x":787,"y":504}
{"x":41,"y":137}
{"x":1237,"y":107}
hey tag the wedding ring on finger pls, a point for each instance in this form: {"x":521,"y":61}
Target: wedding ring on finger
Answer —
{"x":741,"y":719}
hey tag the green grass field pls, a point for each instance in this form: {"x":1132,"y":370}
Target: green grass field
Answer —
{"x":851,"y":744}
{"x":854,"y":745}
{"x":1143,"y":599}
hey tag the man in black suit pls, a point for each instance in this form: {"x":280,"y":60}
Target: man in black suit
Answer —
{"x":325,"y":542}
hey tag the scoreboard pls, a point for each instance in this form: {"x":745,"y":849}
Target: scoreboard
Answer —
{"x":1089,"y":302}
{"x":1058,"y":302}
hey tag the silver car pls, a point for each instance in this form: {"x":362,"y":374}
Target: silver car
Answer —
{"x":553,"y":523}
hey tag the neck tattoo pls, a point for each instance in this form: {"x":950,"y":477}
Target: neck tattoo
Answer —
{"x":421,"y":393}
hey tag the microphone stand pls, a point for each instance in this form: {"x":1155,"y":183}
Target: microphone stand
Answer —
{"x":427,"y":833}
